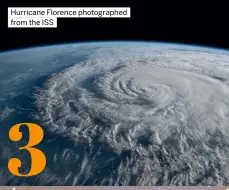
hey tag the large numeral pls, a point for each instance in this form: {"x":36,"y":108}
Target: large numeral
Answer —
{"x":38,"y":159}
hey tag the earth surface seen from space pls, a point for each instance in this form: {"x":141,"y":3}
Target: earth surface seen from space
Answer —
{"x":118,"y":113}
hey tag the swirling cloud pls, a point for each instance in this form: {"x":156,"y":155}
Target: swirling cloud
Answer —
{"x":161,"y":116}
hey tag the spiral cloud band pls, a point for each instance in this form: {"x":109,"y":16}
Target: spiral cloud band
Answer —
{"x":159,"y":118}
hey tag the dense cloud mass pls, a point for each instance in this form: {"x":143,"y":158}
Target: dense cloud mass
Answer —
{"x":119,"y":114}
{"x":142,"y":119}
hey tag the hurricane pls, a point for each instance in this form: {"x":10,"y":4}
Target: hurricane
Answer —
{"x":138,"y":117}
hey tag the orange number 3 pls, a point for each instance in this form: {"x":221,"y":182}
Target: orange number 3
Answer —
{"x":38,"y":159}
